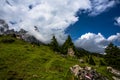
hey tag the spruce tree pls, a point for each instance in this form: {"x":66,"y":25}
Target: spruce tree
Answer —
{"x":67,"y":44}
{"x":54,"y":44}
{"x":112,"y":56}
{"x":91,"y":61}
{"x":102,"y":63}
{"x":109,"y":49}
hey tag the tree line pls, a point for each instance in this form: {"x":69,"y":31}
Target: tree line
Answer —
{"x":64,"y":48}
{"x":112,"y":56}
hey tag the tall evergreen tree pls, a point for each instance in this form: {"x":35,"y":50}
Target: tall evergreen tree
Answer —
{"x":109,"y":49}
{"x":54,"y":44}
{"x":112,"y":56}
{"x":91,"y":61}
{"x":112,"y":50}
{"x":102,"y":63}
{"x":68,"y":44}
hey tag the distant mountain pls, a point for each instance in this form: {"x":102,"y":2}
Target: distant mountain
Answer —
{"x":21,"y":34}
{"x":3,"y":26}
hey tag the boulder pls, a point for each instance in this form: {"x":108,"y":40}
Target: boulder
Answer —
{"x":86,"y":73}
{"x":75,"y":69}
{"x":88,"y":68}
{"x":81,"y":60}
{"x":71,"y":52}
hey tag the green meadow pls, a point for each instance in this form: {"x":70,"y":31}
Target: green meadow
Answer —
{"x":20,"y":60}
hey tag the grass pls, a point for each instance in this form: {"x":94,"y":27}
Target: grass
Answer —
{"x":19,"y":60}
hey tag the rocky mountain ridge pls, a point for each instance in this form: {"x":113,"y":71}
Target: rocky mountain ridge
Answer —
{"x":21,"y":34}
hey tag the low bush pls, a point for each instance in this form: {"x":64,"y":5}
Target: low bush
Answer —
{"x":7,"y":40}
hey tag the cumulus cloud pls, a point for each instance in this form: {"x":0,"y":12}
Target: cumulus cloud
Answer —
{"x":92,"y":42}
{"x":99,"y":6}
{"x":114,"y":37}
{"x":96,"y":42}
{"x":50,"y":16}
{"x":117,"y":21}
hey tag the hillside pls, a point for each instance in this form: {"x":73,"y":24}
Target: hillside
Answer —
{"x":20,"y":60}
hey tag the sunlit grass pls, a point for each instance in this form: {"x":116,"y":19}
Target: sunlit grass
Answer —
{"x":20,"y":60}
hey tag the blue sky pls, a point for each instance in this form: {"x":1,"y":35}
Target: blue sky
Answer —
{"x":102,"y":23}
{"x":92,"y":24}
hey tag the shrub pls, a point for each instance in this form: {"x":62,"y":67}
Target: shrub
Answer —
{"x":7,"y":40}
{"x":102,"y":63}
{"x":91,"y":61}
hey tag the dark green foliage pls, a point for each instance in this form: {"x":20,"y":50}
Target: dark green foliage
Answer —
{"x":7,"y":40}
{"x":87,"y":59}
{"x":68,"y":44}
{"x":112,"y":50}
{"x":81,"y":53}
{"x":54,"y":44}
{"x":102,"y":63}
{"x":97,"y":54}
{"x":112,"y":56}
{"x":91,"y":60}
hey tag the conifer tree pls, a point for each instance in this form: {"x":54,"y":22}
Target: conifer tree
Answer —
{"x":68,"y":44}
{"x":102,"y":63}
{"x":112,"y":56}
{"x":54,"y":44}
{"x":91,"y":61}
{"x":109,"y":49}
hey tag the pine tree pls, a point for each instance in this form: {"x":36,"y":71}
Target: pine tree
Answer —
{"x":112,"y":56}
{"x":54,"y":44}
{"x":91,"y":61}
{"x":109,"y":49}
{"x":102,"y":63}
{"x":68,"y":44}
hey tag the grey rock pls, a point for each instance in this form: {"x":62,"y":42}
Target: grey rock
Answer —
{"x":86,"y":73}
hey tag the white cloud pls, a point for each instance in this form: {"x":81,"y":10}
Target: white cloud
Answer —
{"x":53,"y":17}
{"x":114,"y":37}
{"x":50,"y":16}
{"x":117,"y":21}
{"x":99,"y":6}
{"x":95,"y":42}
{"x":91,"y":42}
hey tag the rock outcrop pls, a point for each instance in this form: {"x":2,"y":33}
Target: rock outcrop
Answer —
{"x":3,"y":26}
{"x":71,"y":52}
{"x":86,"y":73}
{"x":115,"y":72}
{"x":21,"y":34}
{"x":81,"y":60}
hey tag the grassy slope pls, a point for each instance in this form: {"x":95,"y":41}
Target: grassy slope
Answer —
{"x":19,"y":60}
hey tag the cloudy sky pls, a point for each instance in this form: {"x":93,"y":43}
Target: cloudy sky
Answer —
{"x":92,"y":24}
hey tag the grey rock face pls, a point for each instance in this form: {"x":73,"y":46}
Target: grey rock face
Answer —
{"x":3,"y":26}
{"x":21,"y":34}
